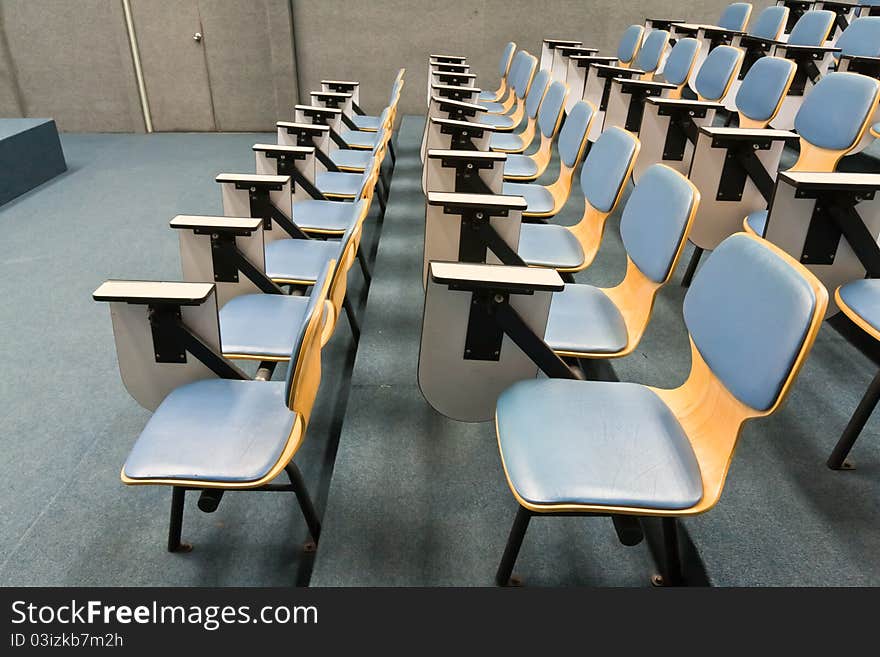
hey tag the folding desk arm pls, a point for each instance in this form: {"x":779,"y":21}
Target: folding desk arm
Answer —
{"x":462,"y":132}
{"x":305,"y":134}
{"x":491,"y":315}
{"x":467,"y":165}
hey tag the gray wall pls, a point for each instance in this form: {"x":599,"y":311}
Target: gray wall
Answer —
{"x":70,"y":59}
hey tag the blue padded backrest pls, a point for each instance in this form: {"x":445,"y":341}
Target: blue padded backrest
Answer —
{"x":536,"y":93}
{"x":524,"y":75}
{"x":516,"y":65}
{"x":680,"y":60}
{"x":654,"y":220}
{"x":312,"y":308}
{"x":652,"y":50}
{"x":764,"y":87}
{"x":748,"y":312}
{"x":735,"y":16}
{"x":834,"y":112}
{"x":717,"y":71}
{"x":861,"y":38}
{"x":574,"y":132}
{"x":629,"y":43}
{"x":606,"y":166}
{"x":770,"y":22}
{"x":506,"y":54}
{"x":812,"y":28}
{"x":551,"y":108}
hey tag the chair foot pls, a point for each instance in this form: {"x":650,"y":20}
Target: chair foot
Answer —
{"x":175,"y":526}
{"x":305,"y":502}
{"x":671,"y":571}
{"x":837,"y":460}
{"x":503,"y":577}
{"x":692,"y":267}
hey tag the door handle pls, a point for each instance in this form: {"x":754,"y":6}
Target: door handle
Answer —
{"x":197,"y":37}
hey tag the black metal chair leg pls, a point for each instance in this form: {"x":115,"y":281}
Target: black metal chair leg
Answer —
{"x":365,"y":266}
{"x":175,"y":526}
{"x":837,"y":460}
{"x":671,"y":574}
{"x":352,"y":318}
{"x":692,"y":267}
{"x":514,"y":542}
{"x":305,"y":502}
{"x":391,"y":152}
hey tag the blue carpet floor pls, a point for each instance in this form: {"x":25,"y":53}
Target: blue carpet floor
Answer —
{"x":414,"y":498}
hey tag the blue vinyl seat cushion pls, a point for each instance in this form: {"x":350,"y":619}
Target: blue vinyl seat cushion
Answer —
{"x":574,"y":132}
{"x":359,"y":138}
{"x":629,"y":43}
{"x":339,"y":183}
{"x":748,"y":312}
{"x":595,"y":443}
{"x":875,"y":129}
{"x":217,"y":430}
{"x":812,"y":28}
{"x":549,"y":245}
{"x":718,"y":69}
{"x":486,"y":97}
{"x":262,"y":324}
{"x":680,"y":60}
{"x":763,"y":87}
{"x":539,"y":200}
{"x":366,"y":122}
{"x":324,"y":216}
{"x":833,"y":113}
{"x":299,"y":260}
{"x":757,"y":221}
{"x":506,"y":141}
{"x":769,"y":22}
{"x":735,"y":16}
{"x":351,"y":158}
{"x":496,"y":120}
{"x":861,"y":38}
{"x":584,"y":320}
{"x":862,"y":297}
{"x":493,"y":106}
{"x":520,"y":166}
{"x":606,"y":166}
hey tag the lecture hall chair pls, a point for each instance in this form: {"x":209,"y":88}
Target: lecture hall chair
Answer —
{"x":569,"y":448}
{"x":221,"y":434}
{"x":519,"y":167}
{"x":604,"y":175}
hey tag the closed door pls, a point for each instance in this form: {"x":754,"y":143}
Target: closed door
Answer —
{"x":216,"y":64}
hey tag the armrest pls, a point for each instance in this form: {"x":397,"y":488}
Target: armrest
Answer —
{"x":316,"y":109}
{"x":684,"y":103}
{"x":348,"y":83}
{"x":569,"y":51}
{"x":295,"y":152}
{"x":460,"y":59}
{"x":466,"y":156}
{"x":555,"y":43}
{"x":312,"y":128}
{"x":748,"y":134}
{"x":330,"y":94}
{"x":816,"y":52}
{"x":453,"y":201}
{"x":627,"y":84}
{"x":154,"y":292}
{"x":468,"y":276}
{"x":861,"y":58}
{"x":584,"y":61}
{"x":857,"y":182}
{"x":233,"y":225}
{"x":458,"y":103}
{"x":717,"y":30}
{"x":452,"y":87}
{"x":665,"y":21}
{"x":608,"y":70}
{"x":452,"y":74}
{"x":252,"y":179}
{"x":450,"y":67}
{"x":467,"y":125}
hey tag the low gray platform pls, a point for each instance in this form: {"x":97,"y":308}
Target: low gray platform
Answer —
{"x":30,"y":154}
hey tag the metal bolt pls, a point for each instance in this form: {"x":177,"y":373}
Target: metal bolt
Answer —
{"x":499,"y":298}
{"x":470,"y":165}
{"x":479,"y":215}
